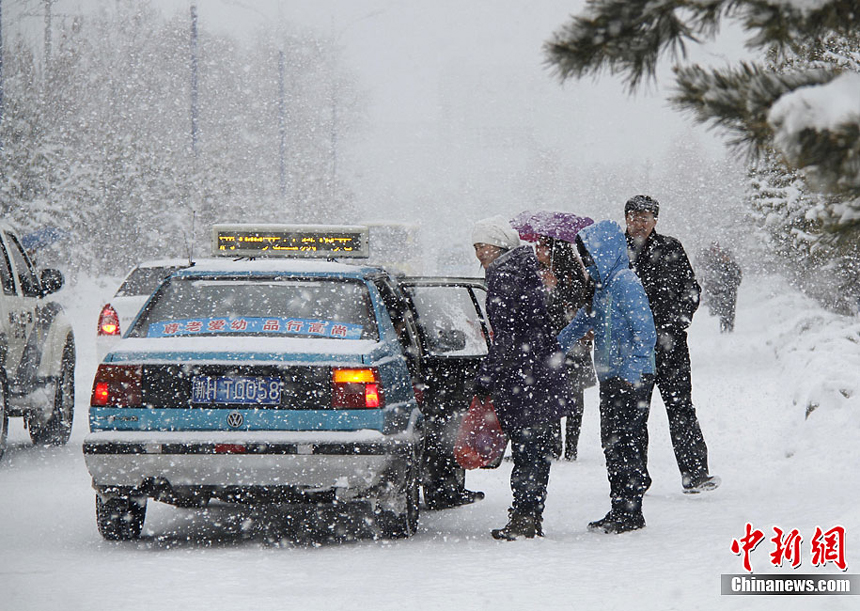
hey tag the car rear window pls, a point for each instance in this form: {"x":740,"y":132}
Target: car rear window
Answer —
{"x":444,"y":311}
{"x":144,"y":280}
{"x":327,"y":308}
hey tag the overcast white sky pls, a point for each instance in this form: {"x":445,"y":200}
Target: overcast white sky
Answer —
{"x":461,"y":116}
{"x":460,"y":104}
{"x":422,"y":59}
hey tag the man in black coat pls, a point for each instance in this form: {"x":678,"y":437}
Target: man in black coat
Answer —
{"x":669,"y":281}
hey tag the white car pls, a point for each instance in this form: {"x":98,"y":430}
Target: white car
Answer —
{"x":37,"y":348}
{"x":117,"y":315}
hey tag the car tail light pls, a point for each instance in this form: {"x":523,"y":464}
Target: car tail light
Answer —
{"x":117,"y":385}
{"x":108,"y":321}
{"x":230,"y":448}
{"x":356,"y":389}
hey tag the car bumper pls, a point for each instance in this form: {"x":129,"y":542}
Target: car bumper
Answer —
{"x":348,"y":463}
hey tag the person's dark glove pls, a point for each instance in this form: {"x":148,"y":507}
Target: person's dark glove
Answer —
{"x":672,"y":328}
{"x":483,"y":386}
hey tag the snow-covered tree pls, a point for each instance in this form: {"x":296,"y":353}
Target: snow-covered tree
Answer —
{"x":797,"y":223}
{"x":98,"y":140}
{"x":809,"y":116}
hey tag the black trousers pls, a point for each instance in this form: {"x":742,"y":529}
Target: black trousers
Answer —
{"x":532,"y":449}
{"x":573,"y":424}
{"x":673,"y":379}
{"x":624,"y":436}
{"x":444,"y":480}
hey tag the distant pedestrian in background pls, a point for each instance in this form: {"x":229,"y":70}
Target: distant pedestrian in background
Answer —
{"x":624,"y":338}
{"x":721,"y":276}
{"x":523,"y":372}
{"x":665,"y":271}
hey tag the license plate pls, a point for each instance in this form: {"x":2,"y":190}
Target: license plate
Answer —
{"x":245,"y":390}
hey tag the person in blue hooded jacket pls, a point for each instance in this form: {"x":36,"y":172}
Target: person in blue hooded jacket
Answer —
{"x":523,"y":371}
{"x":624,"y":339}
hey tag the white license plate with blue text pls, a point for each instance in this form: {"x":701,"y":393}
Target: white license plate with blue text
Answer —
{"x":248,"y":390}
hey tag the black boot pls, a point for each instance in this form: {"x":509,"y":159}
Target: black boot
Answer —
{"x":615,"y":523}
{"x":623,"y":517}
{"x":447,"y":500}
{"x":520,"y":526}
{"x":702,"y":484}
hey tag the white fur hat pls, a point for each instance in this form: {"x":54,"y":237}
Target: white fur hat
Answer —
{"x":496,"y":231}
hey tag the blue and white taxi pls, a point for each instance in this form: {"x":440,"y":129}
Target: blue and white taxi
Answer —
{"x":269,"y":373}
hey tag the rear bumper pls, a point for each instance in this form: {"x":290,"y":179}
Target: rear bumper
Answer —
{"x":350,"y":464}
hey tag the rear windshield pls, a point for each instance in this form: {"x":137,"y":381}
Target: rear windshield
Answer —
{"x":144,"y":280}
{"x":449,"y":320}
{"x":328,"y":308}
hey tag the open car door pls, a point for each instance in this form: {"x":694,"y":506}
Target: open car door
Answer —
{"x":454,"y":336}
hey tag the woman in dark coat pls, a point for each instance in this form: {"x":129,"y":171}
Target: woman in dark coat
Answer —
{"x":567,"y":291}
{"x":523,"y":371}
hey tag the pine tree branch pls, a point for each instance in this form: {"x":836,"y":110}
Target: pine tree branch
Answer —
{"x":780,"y":23}
{"x":738,"y":100}
{"x":629,"y":36}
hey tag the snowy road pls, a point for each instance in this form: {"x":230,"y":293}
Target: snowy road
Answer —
{"x":777,"y":470}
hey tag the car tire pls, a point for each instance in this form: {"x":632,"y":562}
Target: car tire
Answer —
{"x":395,"y":525}
{"x":4,"y":416}
{"x":120,"y":518}
{"x":58,"y":428}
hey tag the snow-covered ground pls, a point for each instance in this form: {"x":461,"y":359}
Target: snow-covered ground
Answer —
{"x":753,"y":390}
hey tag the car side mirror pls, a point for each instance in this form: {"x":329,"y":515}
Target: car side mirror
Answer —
{"x":450,"y":340}
{"x":52,"y":281}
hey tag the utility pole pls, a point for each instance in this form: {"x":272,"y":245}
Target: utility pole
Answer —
{"x":194,"y":79}
{"x":1,"y":75}
{"x":48,"y":37}
{"x":334,"y":94}
{"x":282,"y":126}
{"x":335,"y":37}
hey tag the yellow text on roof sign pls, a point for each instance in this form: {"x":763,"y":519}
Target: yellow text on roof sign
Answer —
{"x":290,"y":240}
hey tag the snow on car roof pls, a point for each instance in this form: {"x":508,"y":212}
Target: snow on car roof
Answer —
{"x":299,"y":266}
{"x":164,"y":263}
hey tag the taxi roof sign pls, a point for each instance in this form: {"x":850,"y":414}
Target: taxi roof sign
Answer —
{"x":290,"y":241}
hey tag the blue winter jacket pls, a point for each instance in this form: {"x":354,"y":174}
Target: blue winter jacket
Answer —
{"x":524,"y":370}
{"x":624,"y":334}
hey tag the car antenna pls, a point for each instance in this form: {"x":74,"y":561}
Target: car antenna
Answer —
{"x":189,"y":244}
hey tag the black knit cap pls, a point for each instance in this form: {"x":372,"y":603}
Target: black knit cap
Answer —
{"x":642,"y":203}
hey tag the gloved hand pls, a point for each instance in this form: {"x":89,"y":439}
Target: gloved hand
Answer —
{"x":483,"y":386}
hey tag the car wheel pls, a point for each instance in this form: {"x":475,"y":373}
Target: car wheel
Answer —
{"x":394,"y":525}
{"x":57,"y":429}
{"x":4,"y":417}
{"x":120,"y":518}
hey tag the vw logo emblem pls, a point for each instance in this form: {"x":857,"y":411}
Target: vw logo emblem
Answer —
{"x":235,"y":420}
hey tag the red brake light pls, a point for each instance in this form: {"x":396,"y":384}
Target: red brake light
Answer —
{"x":371,"y":395}
{"x":108,"y":321}
{"x":117,"y":385}
{"x":101,"y":392}
{"x":230,"y":448}
{"x":356,"y":389}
